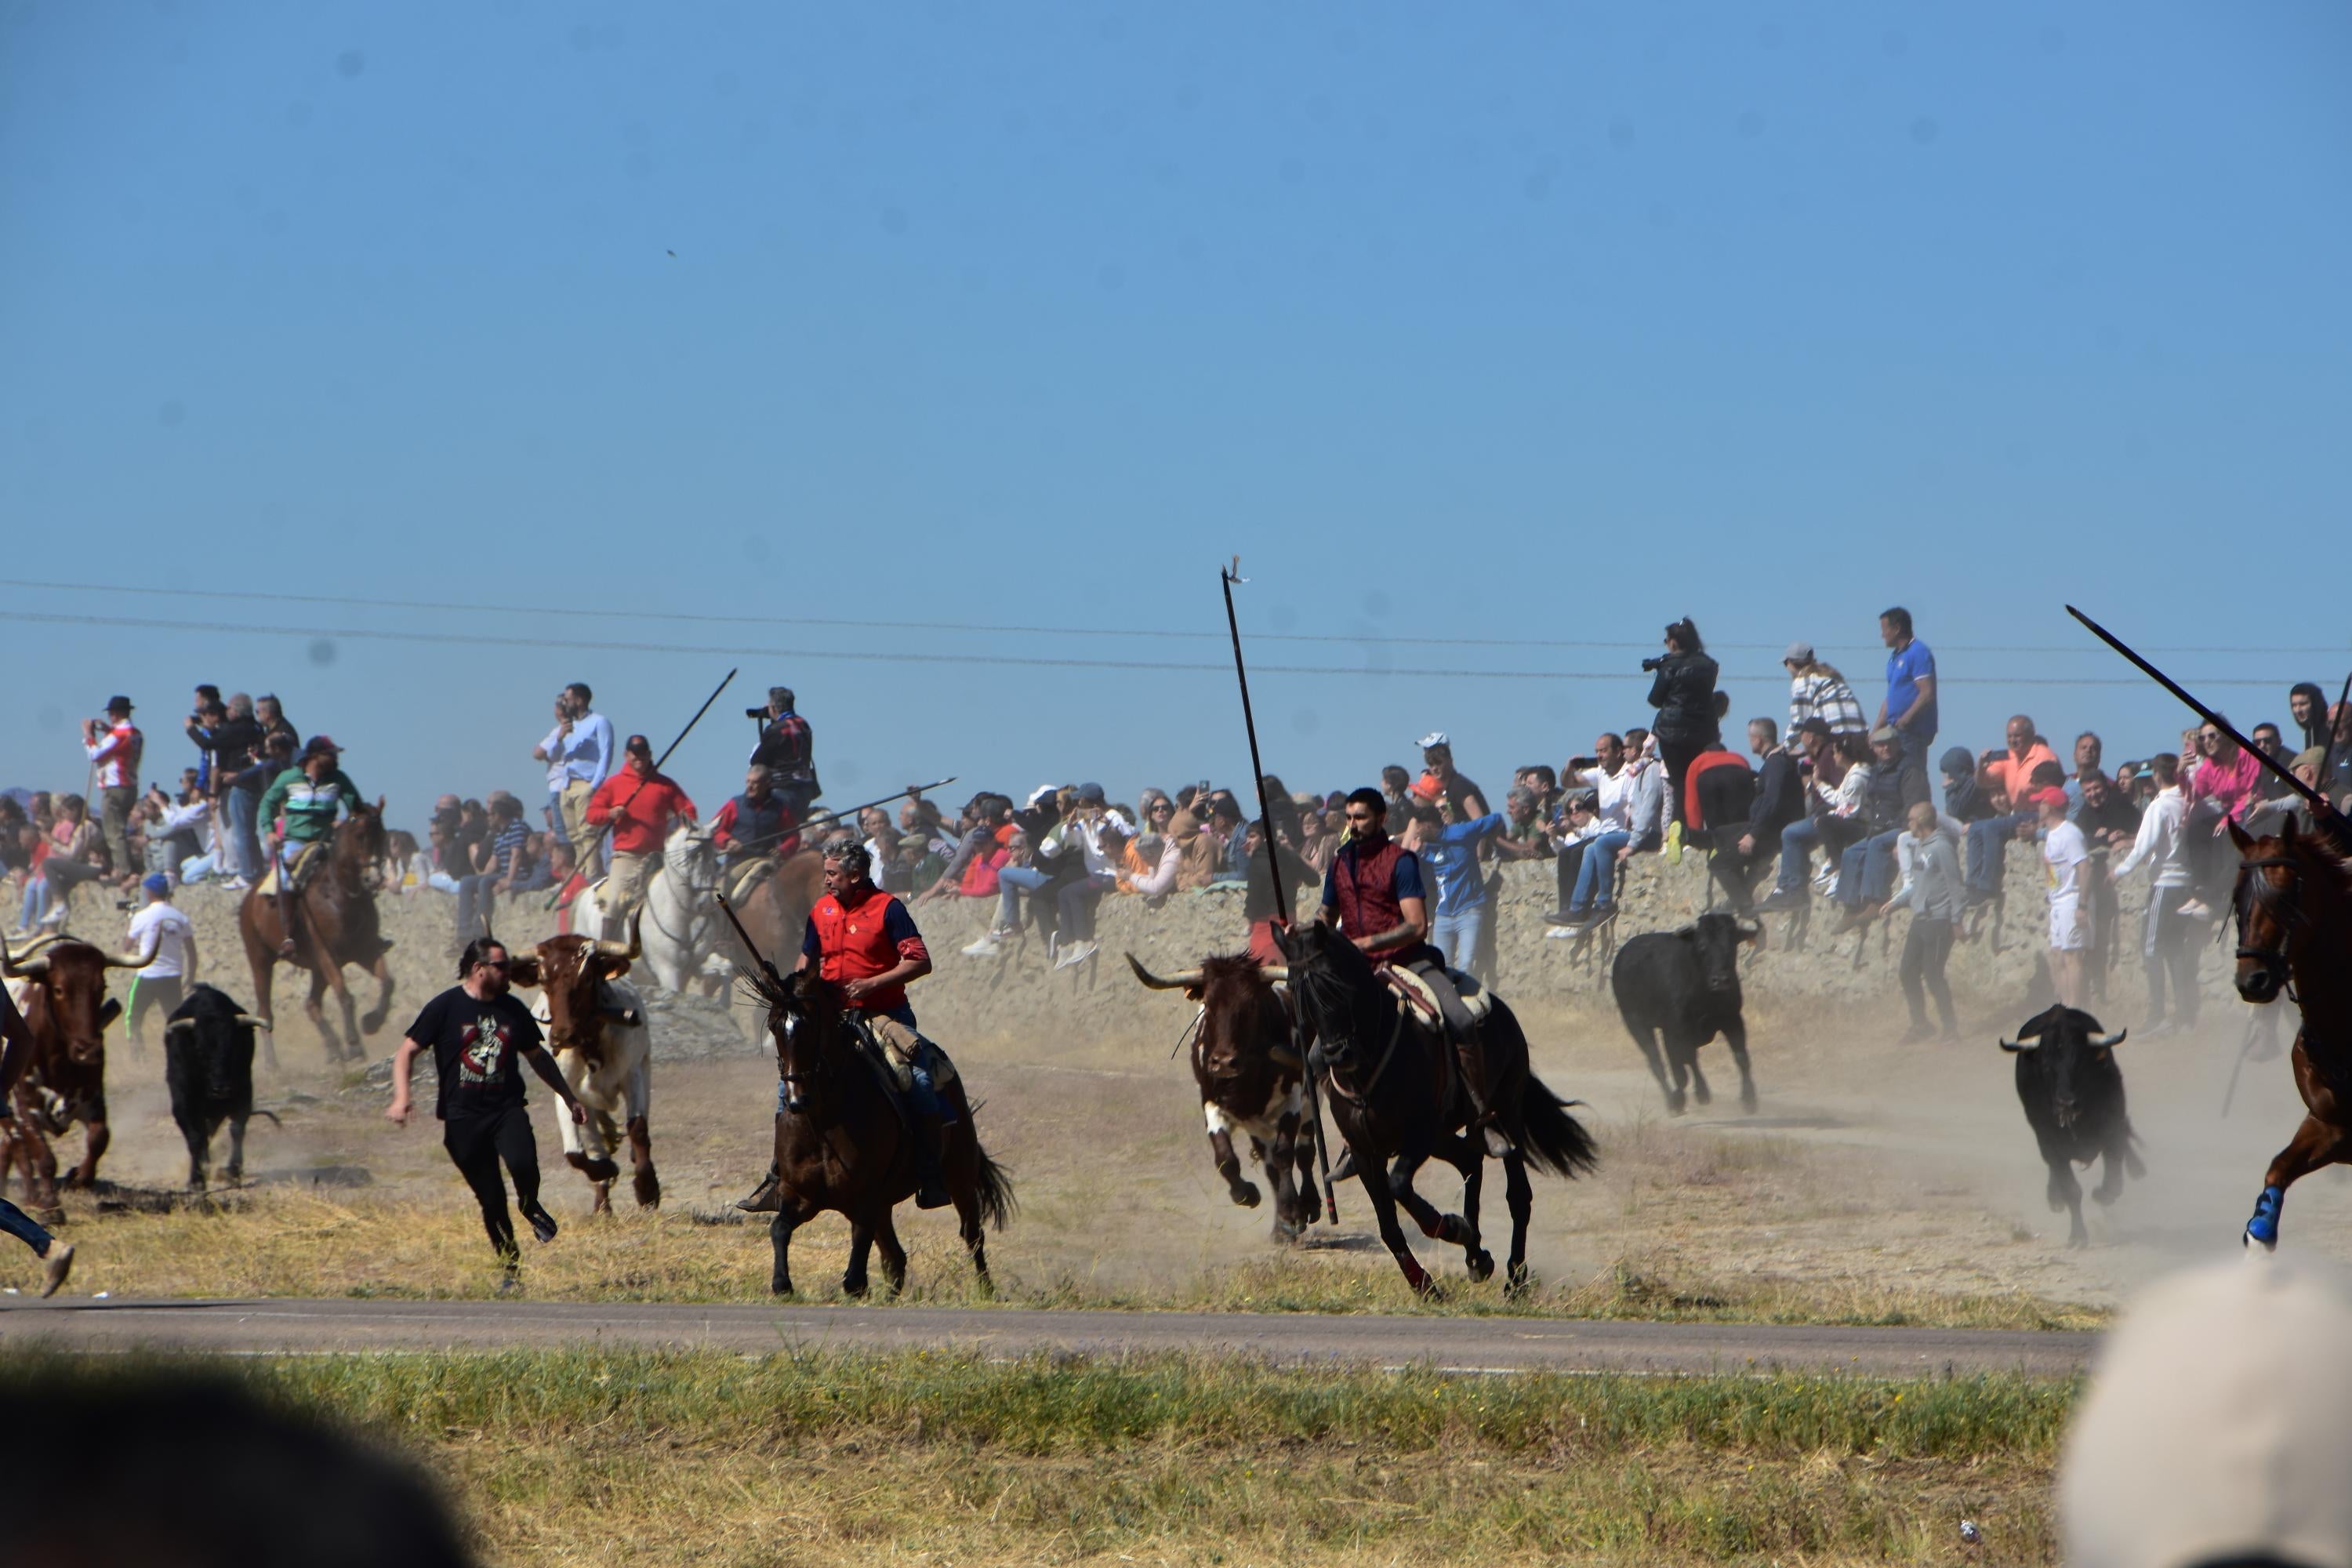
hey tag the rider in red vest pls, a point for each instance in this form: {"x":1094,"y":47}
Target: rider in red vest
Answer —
{"x":863,"y":940}
{"x":1373,"y":893}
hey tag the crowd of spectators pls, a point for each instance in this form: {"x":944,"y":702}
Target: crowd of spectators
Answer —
{"x":1844,"y":800}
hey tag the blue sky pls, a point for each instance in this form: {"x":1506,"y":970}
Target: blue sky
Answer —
{"x":1536,"y":325}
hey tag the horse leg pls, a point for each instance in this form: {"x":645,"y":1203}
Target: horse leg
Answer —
{"x":961,"y":1163}
{"x":1521,"y":1196}
{"x":262,"y":966}
{"x":1646,"y":1037}
{"x":861,"y":1244}
{"x":1290,"y":1215}
{"x":2315,"y":1143}
{"x":373,"y":1021}
{"x":314,"y":1009}
{"x":1445,"y":1227}
{"x":1383,"y":1202}
{"x":1476,"y":1258}
{"x":348,"y":1049}
{"x":789,"y":1216}
{"x":1735,"y":1034}
{"x":894,"y":1253}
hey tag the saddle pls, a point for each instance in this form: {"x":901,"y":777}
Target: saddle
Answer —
{"x":306,"y":858}
{"x":897,"y":1075}
{"x":748,"y":877}
{"x":1414,"y":993}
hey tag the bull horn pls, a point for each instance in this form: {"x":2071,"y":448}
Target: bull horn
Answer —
{"x":2108,"y":1042}
{"x":1275,"y":973}
{"x":24,"y":966}
{"x":629,"y":951}
{"x":1190,"y":977}
{"x":2008,"y":1044}
{"x":127,"y":961}
{"x":249,"y":1021}
{"x":176,"y":1024}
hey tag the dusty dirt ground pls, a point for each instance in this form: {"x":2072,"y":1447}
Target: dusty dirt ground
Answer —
{"x":1868,"y":1169}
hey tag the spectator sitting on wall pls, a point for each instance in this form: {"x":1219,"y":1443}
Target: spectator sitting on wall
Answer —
{"x":1525,"y":835}
{"x":1816,"y":690}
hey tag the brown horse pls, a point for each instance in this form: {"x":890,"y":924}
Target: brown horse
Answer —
{"x":842,"y":1142}
{"x":1397,"y":1100}
{"x":334,"y":918}
{"x":2294,"y":924}
{"x":776,"y":914}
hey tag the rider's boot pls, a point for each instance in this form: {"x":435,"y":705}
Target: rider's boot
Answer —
{"x":1470,"y":1052}
{"x":935,"y":1111}
{"x":767,"y":1197}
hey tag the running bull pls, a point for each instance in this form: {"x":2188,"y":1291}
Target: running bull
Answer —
{"x":2074,"y":1097}
{"x":208,"y":1068}
{"x":1684,"y":984}
{"x":596,"y":1028}
{"x":1249,"y":1073}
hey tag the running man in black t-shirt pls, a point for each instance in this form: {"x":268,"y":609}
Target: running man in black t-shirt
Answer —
{"x":479,"y":1034}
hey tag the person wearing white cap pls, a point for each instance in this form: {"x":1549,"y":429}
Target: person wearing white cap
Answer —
{"x":2214,"y":1432}
{"x":1437,"y":761}
{"x":1816,"y":690}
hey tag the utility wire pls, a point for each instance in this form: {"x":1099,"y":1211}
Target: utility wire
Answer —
{"x":245,"y":595}
{"x":865,"y":656}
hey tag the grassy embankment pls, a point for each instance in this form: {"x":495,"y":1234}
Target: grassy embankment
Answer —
{"x":280,"y":1242}
{"x":583,"y":1456}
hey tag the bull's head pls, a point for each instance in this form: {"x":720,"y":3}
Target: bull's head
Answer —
{"x":69,"y":978}
{"x":1715,"y":939}
{"x":566,"y":970}
{"x":2063,"y":1041}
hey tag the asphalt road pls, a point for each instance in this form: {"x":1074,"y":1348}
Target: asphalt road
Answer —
{"x":1477,"y":1345}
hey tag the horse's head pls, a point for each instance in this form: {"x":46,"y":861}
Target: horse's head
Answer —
{"x":804,"y":1020}
{"x":689,"y":854}
{"x":357,"y":850}
{"x":2290,"y":889}
{"x":1337,"y":986}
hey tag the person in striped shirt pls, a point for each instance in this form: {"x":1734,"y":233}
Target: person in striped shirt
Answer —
{"x":1816,"y":690}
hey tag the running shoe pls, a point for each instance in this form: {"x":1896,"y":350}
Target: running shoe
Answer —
{"x":56,"y":1264}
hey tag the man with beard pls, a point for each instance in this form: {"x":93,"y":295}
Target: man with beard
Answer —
{"x":478,"y":1033}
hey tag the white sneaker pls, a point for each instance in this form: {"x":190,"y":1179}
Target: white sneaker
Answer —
{"x":235,"y":884}
{"x":1562,"y":934}
{"x":986,"y":947}
{"x":1053,"y":946}
{"x":1078,"y":954}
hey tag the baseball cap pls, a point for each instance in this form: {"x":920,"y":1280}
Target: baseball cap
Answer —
{"x":321,"y":745}
{"x":639,"y":744}
{"x":1092,"y":794}
{"x":2215,"y":1424}
{"x":1428,"y":786}
{"x":1044,"y":792}
{"x":156,"y":882}
{"x":1434,"y":738}
{"x":118,"y":704}
{"x":2052,"y":796}
{"x":1800,"y":652}
{"x":1885,"y":735}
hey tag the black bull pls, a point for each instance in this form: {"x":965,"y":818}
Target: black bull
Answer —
{"x":2073,"y":1092}
{"x":1249,"y":1075}
{"x":1684,"y":984}
{"x":208,"y":1068}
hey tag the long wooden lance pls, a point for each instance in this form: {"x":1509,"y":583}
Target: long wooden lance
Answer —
{"x":846,"y":813}
{"x":597,"y":843}
{"x":1226,"y":577}
{"x":2318,"y":800}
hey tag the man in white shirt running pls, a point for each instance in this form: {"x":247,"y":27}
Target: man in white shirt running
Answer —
{"x":2167,"y":945}
{"x":2064,"y":854}
{"x":161,"y":934}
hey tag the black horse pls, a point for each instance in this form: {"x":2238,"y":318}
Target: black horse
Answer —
{"x":1398,"y":1098}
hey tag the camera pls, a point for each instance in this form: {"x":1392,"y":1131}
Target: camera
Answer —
{"x":1649,"y":666}
{"x":128,"y":903}
{"x":760,"y":713}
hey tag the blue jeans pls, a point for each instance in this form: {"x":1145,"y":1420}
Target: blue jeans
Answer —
{"x":1011,"y":882}
{"x":1596,"y":880}
{"x":473,"y":898}
{"x":244,"y":836}
{"x":1078,"y":899}
{"x":1456,"y":935}
{"x":1866,"y":870}
{"x":19,"y":1224}
{"x":1988,"y":849}
{"x":1798,"y":841}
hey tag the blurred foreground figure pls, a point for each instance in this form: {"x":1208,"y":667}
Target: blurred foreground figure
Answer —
{"x":199,"y":1474}
{"x":2216,"y":1426}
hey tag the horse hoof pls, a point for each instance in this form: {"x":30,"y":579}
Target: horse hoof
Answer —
{"x":647,"y":1187}
{"x":1518,"y":1282}
{"x":1481,"y":1266}
{"x":854,"y":1289}
{"x":2263,"y":1229}
{"x":780,"y":1288}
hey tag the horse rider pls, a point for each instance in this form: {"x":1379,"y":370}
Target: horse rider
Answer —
{"x":307,"y":796}
{"x":15,"y":1056}
{"x":1375,"y":894}
{"x":756,"y":828}
{"x":787,"y":749}
{"x":863,"y":940}
{"x":640,"y":804}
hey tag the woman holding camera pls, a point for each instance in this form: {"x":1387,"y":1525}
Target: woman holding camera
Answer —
{"x":1682,"y":690}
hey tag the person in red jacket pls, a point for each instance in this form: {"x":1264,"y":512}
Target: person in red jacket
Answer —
{"x":640,"y":805}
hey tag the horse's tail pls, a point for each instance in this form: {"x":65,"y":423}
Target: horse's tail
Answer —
{"x":1551,"y":1139}
{"x":993,"y":1187}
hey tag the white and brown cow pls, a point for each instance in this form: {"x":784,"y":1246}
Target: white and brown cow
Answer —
{"x":596,"y":1028}
{"x":1249,"y":1073}
{"x":59,"y":985}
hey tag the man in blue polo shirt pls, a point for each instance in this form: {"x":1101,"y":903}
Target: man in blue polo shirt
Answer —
{"x":1910,"y":705}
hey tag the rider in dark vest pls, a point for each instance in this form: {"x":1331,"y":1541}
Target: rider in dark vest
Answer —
{"x":757,"y":824}
{"x":1373,"y":893}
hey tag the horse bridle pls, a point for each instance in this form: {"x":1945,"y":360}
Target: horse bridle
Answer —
{"x":1341,"y":1050}
{"x":2272,"y":959}
{"x":796,"y":1084}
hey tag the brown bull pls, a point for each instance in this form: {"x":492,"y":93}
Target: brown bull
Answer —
{"x":598,"y":1032}
{"x":1248,"y":1068}
{"x":62,"y":990}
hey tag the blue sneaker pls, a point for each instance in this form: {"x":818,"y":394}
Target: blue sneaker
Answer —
{"x":2263,"y":1229}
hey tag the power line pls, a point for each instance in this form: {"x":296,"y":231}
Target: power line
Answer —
{"x":863,"y":655}
{"x":690,"y":617}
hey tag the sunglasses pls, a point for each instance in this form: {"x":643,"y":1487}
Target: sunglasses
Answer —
{"x":494,"y":962}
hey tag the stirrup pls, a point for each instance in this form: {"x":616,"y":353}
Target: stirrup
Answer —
{"x":766,"y":1198}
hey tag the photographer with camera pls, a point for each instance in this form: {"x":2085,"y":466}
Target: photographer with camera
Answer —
{"x":787,"y":749}
{"x":1682,"y":690}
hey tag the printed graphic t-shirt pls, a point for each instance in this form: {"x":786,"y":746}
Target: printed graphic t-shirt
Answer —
{"x":476,"y":1047}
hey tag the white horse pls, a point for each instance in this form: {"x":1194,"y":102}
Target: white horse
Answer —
{"x":679,"y":926}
